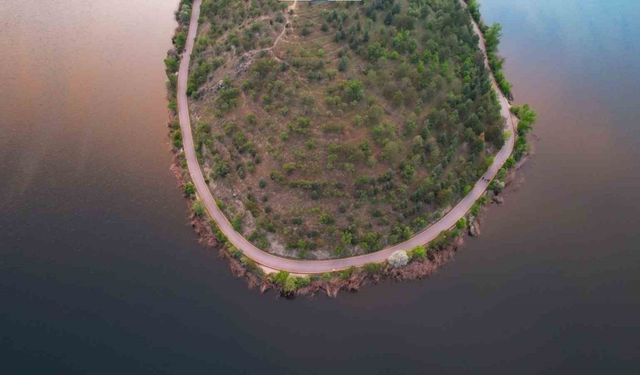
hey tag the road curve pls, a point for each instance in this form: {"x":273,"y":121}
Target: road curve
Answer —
{"x":320,"y":266}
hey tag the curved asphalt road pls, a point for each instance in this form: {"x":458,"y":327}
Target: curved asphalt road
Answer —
{"x":320,"y":266}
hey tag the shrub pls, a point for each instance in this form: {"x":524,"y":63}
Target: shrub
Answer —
{"x":227,"y":97}
{"x":474,"y":9}
{"x":289,"y":167}
{"x":353,"y":91}
{"x":373,"y":268}
{"x":180,"y":40}
{"x":250,"y":265}
{"x":236,"y":223}
{"x":176,"y":139}
{"x":398,"y":259}
{"x":346,"y":274}
{"x":173,"y":105}
{"x":327,"y":219}
{"x":302,"y":282}
{"x":462,"y":223}
{"x":171,"y":63}
{"x":234,"y":252}
{"x":419,"y":252}
{"x":280,"y":278}
{"x":220,"y":168}
{"x":198,"y":208}
{"x":189,"y":189}
{"x":343,"y":64}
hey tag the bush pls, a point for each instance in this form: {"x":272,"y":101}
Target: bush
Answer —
{"x":398,"y":259}
{"x":327,"y":219}
{"x":227,"y":97}
{"x":280,"y":278}
{"x":343,"y":64}
{"x":180,"y":40}
{"x":250,"y":265}
{"x":418,"y":252}
{"x":353,"y":91}
{"x":346,"y":274}
{"x":173,"y":105}
{"x":474,"y":9}
{"x":302,"y":282}
{"x":198,"y":208}
{"x":189,"y":189}
{"x":184,"y":14}
{"x":373,"y":268}
{"x":176,"y":139}
{"x":220,"y":168}
{"x":236,"y":223}
{"x":171,"y":64}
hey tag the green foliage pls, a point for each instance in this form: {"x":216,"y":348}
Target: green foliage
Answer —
{"x":233,"y":251}
{"x":171,"y":64}
{"x":180,"y":40}
{"x":346,"y":274}
{"x":404,"y":43}
{"x":227,"y":97}
{"x":492,"y":36}
{"x":292,"y":284}
{"x":288,"y":283}
{"x":236,"y":223}
{"x":527,"y":117}
{"x":259,"y":239}
{"x":371,"y":241}
{"x":220,"y":168}
{"x":343,"y":64}
{"x":474,"y":9}
{"x":418,"y":252}
{"x":173,"y":106}
{"x":280,"y":278}
{"x":327,"y":219}
{"x":462,"y":223}
{"x":375,"y":51}
{"x":176,"y":138}
{"x":353,"y":90}
{"x":373,"y":268}
{"x":184,"y":14}
{"x":189,"y":189}
{"x":250,"y":265}
{"x":198,"y":208}
{"x":199,"y":75}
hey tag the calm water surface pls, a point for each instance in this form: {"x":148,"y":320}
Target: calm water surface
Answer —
{"x":100,"y":272}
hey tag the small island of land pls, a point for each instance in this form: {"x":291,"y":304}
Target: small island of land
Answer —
{"x":321,"y":136}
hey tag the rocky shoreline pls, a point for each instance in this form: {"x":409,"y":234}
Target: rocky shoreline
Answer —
{"x":347,"y":281}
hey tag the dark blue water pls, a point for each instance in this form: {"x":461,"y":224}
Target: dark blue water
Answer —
{"x":100,"y":272}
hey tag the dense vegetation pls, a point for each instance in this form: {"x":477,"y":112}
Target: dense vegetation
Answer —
{"x":172,"y":64}
{"x":492,"y":36}
{"x":335,"y":129}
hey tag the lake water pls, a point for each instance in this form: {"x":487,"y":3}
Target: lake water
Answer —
{"x":101,"y":273}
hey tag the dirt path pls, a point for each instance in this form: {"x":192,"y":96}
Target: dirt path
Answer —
{"x":287,"y":22}
{"x":320,"y":266}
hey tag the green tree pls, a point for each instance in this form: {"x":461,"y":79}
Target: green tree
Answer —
{"x":353,"y":91}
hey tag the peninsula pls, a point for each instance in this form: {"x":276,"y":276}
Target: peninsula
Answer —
{"x":323,"y":136}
